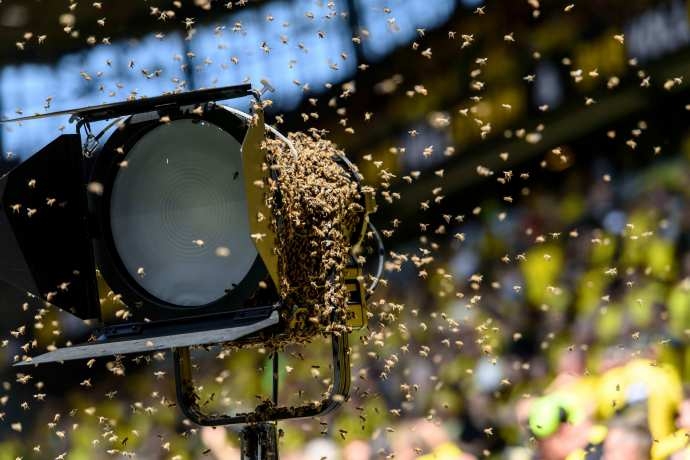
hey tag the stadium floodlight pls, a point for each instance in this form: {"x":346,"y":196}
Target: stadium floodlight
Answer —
{"x":143,"y":214}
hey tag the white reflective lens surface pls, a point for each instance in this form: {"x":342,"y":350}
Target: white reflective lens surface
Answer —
{"x":179,"y":215}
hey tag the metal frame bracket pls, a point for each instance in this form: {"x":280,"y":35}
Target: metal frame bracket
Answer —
{"x":269,"y":410}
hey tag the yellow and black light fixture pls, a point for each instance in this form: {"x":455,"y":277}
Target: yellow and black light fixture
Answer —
{"x":145,"y":229}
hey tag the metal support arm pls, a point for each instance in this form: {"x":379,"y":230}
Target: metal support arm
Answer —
{"x":269,"y":410}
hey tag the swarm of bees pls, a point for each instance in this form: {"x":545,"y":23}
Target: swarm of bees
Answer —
{"x":315,"y":206}
{"x":314,"y":203}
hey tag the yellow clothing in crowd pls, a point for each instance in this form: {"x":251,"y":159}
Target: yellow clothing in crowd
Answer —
{"x":642,"y":381}
{"x":446,"y":451}
{"x":670,"y":445}
{"x":639,"y":384}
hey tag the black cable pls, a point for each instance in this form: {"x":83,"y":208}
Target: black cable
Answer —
{"x":381,"y":255}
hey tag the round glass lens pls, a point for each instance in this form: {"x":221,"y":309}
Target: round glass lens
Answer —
{"x":178,"y":213}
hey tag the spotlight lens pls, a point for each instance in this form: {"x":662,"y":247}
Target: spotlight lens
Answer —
{"x":178,"y":213}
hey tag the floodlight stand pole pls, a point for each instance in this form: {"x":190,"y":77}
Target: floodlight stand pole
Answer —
{"x":259,"y":441}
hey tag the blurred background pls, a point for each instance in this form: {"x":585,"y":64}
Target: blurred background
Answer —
{"x":531,"y":160}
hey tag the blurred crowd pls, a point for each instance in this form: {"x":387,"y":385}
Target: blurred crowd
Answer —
{"x":559,"y":332}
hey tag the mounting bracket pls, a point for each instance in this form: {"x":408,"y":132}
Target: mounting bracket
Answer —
{"x":258,"y":438}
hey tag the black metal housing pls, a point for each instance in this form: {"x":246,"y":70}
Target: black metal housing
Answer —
{"x":44,"y":238}
{"x":53,"y":234}
{"x":143,"y":305}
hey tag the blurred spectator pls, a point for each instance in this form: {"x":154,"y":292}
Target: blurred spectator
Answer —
{"x":562,"y":429}
{"x":357,"y":450}
{"x":216,"y":439}
{"x":627,"y":439}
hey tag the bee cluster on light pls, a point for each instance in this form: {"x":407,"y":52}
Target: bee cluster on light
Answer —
{"x":316,"y":206}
